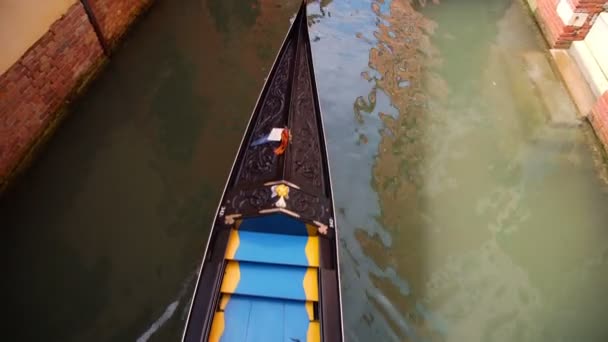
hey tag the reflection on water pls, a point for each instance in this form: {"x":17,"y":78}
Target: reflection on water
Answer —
{"x":470,"y":208}
{"x":483,"y":219}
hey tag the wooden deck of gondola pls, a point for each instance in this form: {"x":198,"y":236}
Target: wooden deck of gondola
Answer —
{"x":271,"y":271}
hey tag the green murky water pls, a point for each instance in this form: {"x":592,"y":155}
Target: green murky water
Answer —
{"x":478,"y":215}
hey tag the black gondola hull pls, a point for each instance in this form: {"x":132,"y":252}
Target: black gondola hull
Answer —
{"x":272,"y":253}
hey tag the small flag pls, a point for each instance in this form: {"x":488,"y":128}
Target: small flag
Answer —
{"x":274,"y":135}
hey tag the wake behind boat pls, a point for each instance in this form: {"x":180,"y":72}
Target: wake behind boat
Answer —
{"x":270,"y":271}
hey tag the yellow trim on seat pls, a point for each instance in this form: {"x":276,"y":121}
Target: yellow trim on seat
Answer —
{"x":312,"y":251}
{"x":217,"y":327}
{"x":311,"y":284}
{"x":314,"y":332}
{"x":232,"y":276}
{"x":309,"y":310}
{"x":312,"y":229}
{"x":224,"y":301}
{"x":233,"y":244}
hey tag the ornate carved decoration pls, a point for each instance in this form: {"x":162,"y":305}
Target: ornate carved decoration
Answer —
{"x":289,"y":100}
{"x":304,"y":165}
{"x":308,"y":205}
{"x":260,"y":164}
{"x":251,"y":201}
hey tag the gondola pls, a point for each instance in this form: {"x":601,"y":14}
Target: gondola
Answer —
{"x":270,"y":271}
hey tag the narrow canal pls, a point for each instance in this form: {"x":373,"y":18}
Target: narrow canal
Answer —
{"x":471,"y":201}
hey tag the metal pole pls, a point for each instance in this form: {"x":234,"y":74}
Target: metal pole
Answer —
{"x":93,"y":20}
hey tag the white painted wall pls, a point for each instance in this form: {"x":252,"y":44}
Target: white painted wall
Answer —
{"x":589,"y":67}
{"x":591,"y":55}
{"x":568,"y":16}
{"x":597,"y":41}
{"x":23,"y":22}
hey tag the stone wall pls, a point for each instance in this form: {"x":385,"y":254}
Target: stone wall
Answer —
{"x":54,"y":69}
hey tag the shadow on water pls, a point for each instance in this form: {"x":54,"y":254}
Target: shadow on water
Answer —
{"x":104,"y":233}
{"x":233,"y":15}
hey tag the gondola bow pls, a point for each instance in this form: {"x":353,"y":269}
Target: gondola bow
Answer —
{"x":270,"y":271}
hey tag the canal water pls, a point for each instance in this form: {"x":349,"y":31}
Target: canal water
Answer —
{"x":471,"y":201}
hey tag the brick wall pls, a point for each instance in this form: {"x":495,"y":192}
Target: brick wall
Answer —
{"x":34,"y":88}
{"x":54,"y":69}
{"x":599,"y":119}
{"x":587,"y":6}
{"x":115,"y":16}
{"x":559,"y":34}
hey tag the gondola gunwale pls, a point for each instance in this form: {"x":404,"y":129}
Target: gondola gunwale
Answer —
{"x":249,"y":130}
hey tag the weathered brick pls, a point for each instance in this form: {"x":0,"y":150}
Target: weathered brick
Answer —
{"x":558,"y":34}
{"x":599,"y":118}
{"x":114,"y":16}
{"x":34,"y":88}
{"x":28,"y":94}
